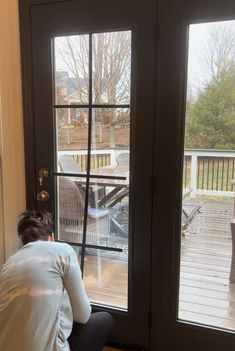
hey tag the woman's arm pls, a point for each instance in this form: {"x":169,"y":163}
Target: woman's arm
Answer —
{"x":74,"y":285}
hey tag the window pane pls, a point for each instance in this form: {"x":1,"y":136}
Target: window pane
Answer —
{"x":72,"y":139}
{"x":72,"y":69}
{"x":106,"y":278}
{"x":207,"y":275}
{"x":111,"y":66}
{"x":71,"y":206}
{"x":111,"y":131}
{"x":71,"y":214}
{"x":77,"y":249}
{"x":111,"y":163}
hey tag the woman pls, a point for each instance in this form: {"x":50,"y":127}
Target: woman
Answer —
{"x":43,"y":303}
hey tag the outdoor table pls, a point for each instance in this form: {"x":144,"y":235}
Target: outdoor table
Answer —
{"x":116,"y":177}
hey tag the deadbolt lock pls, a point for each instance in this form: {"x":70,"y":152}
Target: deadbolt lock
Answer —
{"x":43,"y":173}
{"x":43,"y":196}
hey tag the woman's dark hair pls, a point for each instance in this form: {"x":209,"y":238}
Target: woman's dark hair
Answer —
{"x":34,"y":225}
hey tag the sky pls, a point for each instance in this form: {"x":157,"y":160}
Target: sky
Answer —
{"x":199,"y":39}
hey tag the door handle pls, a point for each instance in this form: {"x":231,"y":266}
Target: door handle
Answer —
{"x":43,"y":196}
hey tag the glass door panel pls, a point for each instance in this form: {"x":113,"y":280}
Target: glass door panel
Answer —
{"x":106,"y":278}
{"x":71,"y":55}
{"x":71,"y":139}
{"x":207,"y":273}
{"x":111,"y":67}
{"x":92,"y":112}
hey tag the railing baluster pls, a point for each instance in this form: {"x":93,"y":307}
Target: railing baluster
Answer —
{"x":232,"y":174}
{"x":185,"y":171}
{"x":222,"y":176}
{"x":213,"y":169}
{"x":203,"y":166}
{"x":227,"y":180}
{"x":186,"y":175}
{"x":208,"y":172}
{"x":217,"y":177}
{"x":198,"y":172}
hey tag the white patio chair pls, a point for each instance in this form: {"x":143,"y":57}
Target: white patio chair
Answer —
{"x":69,"y":165}
{"x":71,"y":217}
{"x":123,"y":159}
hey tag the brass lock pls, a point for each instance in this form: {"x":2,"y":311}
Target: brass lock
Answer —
{"x":43,"y":173}
{"x":43,"y":196}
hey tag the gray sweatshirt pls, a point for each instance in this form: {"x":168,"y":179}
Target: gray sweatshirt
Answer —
{"x":41,"y":293}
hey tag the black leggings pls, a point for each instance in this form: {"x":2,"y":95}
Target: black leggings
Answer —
{"x":93,"y":335}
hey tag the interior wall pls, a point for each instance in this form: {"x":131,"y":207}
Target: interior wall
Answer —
{"x":12,"y":175}
{"x":1,"y":197}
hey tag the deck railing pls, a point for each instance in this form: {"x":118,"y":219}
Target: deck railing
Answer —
{"x":206,"y":172}
{"x":99,"y":157}
{"x":209,"y":172}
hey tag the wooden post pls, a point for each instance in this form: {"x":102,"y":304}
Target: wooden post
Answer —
{"x":232,"y":269}
{"x":193,"y":185}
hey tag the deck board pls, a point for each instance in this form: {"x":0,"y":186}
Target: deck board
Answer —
{"x":206,"y":295}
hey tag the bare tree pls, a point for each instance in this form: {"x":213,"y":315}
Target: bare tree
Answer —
{"x":111,"y":56}
{"x":72,"y":55}
{"x":111,"y":66}
{"x":219,"y":52}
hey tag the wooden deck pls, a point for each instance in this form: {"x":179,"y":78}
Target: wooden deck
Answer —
{"x":206,"y":295}
{"x":106,"y":281}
